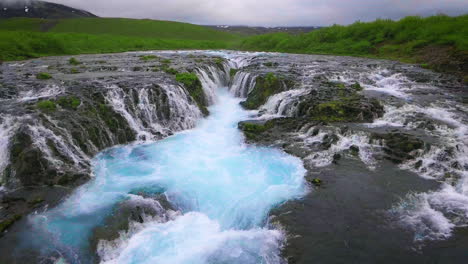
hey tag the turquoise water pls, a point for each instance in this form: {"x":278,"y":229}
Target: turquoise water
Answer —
{"x":223,"y":189}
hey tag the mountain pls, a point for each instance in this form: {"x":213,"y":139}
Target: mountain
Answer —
{"x":40,"y":9}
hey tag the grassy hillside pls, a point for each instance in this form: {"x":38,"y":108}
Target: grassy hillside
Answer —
{"x":23,"y":38}
{"x":141,"y":28}
{"x":19,"y":45}
{"x":440,"y":42}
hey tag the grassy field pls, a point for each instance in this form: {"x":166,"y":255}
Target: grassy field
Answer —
{"x":23,"y":38}
{"x":437,"y":42}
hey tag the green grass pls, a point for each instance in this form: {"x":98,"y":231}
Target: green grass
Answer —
{"x":438,"y":42}
{"x":142,"y":28}
{"x":24,"y":38}
{"x":381,"y":37}
{"x":19,"y":45}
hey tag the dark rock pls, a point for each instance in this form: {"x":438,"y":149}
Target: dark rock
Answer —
{"x":398,"y":147}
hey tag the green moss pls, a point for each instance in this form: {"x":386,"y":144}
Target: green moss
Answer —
{"x":219,"y":62}
{"x":195,"y":89}
{"x":4,"y":225}
{"x":256,"y":128}
{"x":74,"y":71}
{"x":69,"y":102}
{"x":36,"y":201}
{"x":353,"y":108}
{"x":43,"y":76}
{"x":252,"y":130}
{"x":356,"y":86}
{"x":46,"y":106}
{"x":166,"y":61}
{"x":265,"y":87}
{"x":148,"y":57}
{"x":170,"y":70}
{"x":233,"y":72}
{"x":317,"y":182}
{"x":271,"y":64}
{"x":74,"y":61}
{"x":425,"y":66}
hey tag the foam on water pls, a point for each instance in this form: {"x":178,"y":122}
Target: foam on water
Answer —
{"x":434,"y":215}
{"x":223,"y":188}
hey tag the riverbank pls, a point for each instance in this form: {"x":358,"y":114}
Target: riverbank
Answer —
{"x":437,"y":43}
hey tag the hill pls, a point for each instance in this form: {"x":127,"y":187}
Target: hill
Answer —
{"x":437,"y":42}
{"x":39,"y":9}
{"x":142,"y":28}
{"x":23,"y":38}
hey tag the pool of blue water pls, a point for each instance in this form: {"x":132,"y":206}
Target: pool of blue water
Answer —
{"x":222,"y":188}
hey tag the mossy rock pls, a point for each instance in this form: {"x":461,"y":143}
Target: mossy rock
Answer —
{"x":43,"y":76}
{"x":69,"y":102}
{"x":271,"y":64}
{"x":169,"y":70}
{"x":233,"y":72}
{"x":74,"y":61}
{"x":317,"y":182}
{"x":5,"y":224}
{"x":148,"y":57}
{"x":46,"y":106}
{"x":398,"y":147}
{"x":195,"y":89}
{"x":219,"y":62}
{"x":265,"y":87}
{"x":253,"y":130}
{"x":347,"y":109}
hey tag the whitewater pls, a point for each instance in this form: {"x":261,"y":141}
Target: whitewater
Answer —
{"x":221,"y":191}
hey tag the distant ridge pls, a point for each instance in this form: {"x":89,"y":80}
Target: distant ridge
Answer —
{"x":249,"y":31}
{"x":40,"y":9}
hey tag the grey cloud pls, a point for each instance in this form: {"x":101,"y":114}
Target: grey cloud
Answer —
{"x":268,"y":12}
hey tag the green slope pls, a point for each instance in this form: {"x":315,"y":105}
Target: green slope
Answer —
{"x":439,"y":42}
{"x":23,"y":38}
{"x":118,"y":26}
{"x":140,"y":28}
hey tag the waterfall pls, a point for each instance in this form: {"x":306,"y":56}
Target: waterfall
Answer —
{"x":154,"y":110}
{"x":8,"y":126}
{"x":242,"y":84}
{"x":283,"y":104}
{"x":212,"y":78}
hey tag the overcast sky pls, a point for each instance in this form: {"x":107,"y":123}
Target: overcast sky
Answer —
{"x":268,"y":12}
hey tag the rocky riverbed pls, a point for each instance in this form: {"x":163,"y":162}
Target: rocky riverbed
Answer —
{"x":384,"y":144}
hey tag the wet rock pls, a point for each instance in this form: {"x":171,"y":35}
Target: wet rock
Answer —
{"x":137,"y":209}
{"x":265,"y":87}
{"x":5,"y":224}
{"x":399,"y":147}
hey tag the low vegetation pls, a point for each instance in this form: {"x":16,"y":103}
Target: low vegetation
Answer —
{"x":74,"y":61}
{"x":438,"y":42}
{"x":46,"y":105}
{"x":43,"y":76}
